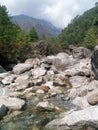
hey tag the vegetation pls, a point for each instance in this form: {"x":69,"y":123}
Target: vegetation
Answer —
{"x":80,"y":29}
{"x":13,"y":40}
{"x":33,"y":36}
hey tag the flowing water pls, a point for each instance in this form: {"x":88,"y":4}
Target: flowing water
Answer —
{"x":31,"y":118}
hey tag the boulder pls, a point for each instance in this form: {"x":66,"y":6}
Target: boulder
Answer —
{"x":94,"y":62}
{"x":92,"y":97}
{"x":3,"y":110}
{"x":86,"y":119}
{"x":61,"y":61}
{"x":9,"y":79}
{"x":3,"y":75}
{"x":21,"y":68}
{"x":12,"y":103}
{"x":82,"y":68}
{"x":81,"y":53}
{"x":23,"y":80}
{"x":80,"y":102}
{"x":40,"y":48}
{"x":60,"y":79}
{"x":78,"y":81}
{"x":38,"y":72}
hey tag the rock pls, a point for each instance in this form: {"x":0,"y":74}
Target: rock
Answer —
{"x":60,"y":79}
{"x":21,"y":68}
{"x":14,"y":87}
{"x":38,"y":72}
{"x":46,"y":106}
{"x":3,"y":110}
{"x":50,"y":59}
{"x":82,"y":68}
{"x":40,"y":48}
{"x":58,"y":65}
{"x":9,"y":79}
{"x":40,"y":91}
{"x":72,"y":93}
{"x":81,"y":53}
{"x":28,"y":90}
{"x":23,"y":81}
{"x":43,"y":87}
{"x":62,"y":55}
{"x":61,"y":61}
{"x":3,"y":75}
{"x":65,"y":98}
{"x":2,"y":70}
{"x":78,"y":81}
{"x":55,"y":90}
{"x":94,"y":62}
{"x":38,"y":81}
{"x":12,"y":103}
{"x":49,"y":76}
{"x":83,"y":90}
{"x":80,"y":102}
{"x":4,"y":91}
{"x":33,"y":61}
{"x":93,"y":97}
{"x":85,"y":119}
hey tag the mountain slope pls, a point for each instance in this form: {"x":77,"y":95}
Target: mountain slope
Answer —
{"x":75,"y":32}
{"x":41,"y":26}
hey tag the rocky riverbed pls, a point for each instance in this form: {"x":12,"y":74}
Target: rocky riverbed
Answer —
{"x":56,"y":92}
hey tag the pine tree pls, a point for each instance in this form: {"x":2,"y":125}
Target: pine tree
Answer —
{"x":90,"y":39}
{"x":33,"y":36}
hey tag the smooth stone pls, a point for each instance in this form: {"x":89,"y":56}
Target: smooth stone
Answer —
{"x":12,"y":103}
{"x":46,"y":106}
{"x":38,"y":72}
{"x":21,"y":68}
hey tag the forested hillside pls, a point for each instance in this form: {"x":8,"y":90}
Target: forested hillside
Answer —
{"x":82,"y":30}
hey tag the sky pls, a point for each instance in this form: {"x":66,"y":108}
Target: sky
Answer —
{"x":58,"y":12}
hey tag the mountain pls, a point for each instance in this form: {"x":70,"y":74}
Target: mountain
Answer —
{"x":78,"y":28}
{"x":41,"y":26}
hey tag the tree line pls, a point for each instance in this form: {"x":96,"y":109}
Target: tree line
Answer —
{"x":13,"y":39}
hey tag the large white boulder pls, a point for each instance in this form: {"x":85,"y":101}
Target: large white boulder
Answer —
{"x":86,"y":118}
{"x":21,"y":68}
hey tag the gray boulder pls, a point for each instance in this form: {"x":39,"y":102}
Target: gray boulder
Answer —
{"x":94,"y":62}
{"x":12,"y":103}
{"x":38,"y":72}
{"x":82,"y":68}
{"x":81,"y":53}
{"x":60,"y":79}
{"x":21,"y":68}
{"x":86,"y":119}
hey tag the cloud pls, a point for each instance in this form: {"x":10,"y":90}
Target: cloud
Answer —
{"x":59,"y":12}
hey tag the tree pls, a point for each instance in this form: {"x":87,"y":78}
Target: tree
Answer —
{"x":90,"y":39}
{"x":33,"y":36}
{"x":7,"y":33}
{"x":22,"y":37}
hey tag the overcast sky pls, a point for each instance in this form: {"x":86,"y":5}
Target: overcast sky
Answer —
{"x":58,"y":12}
